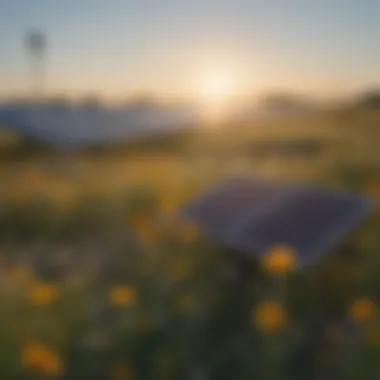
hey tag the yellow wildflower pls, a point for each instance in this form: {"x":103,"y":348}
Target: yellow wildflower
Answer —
{"x":122,"y":295}
{"x":42,"y":359}
{"x":43,"y":293}
{"x":270,"y":316}
{"x":362,"y":309}
{"x":279,"y":260}
{"x":31,"y":353}
{"x":52,"y":364}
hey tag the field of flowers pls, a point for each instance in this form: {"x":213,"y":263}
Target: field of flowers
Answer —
{"x":102,"y":279}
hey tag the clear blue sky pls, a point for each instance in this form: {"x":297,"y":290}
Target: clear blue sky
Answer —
{"x":126,"y":46}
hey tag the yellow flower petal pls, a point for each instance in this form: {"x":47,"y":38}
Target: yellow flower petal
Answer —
{"x":270,"y":317}
{"x":31,"y":353}
{"x":42,"y":294}
{"x":279,"y":260}
{"x":362,"y":309}
{"x":42,"y":359}
{"x":122,"y":295}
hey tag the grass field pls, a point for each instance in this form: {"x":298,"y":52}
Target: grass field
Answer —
{"x":102,"y":280}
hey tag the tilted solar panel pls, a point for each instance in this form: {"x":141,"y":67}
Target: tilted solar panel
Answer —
{"x":221,"y":211}
{"x":255,"y":215}
{"x":308,"y":220}
{"x":224,"y":208}
{"x":78,"y":126}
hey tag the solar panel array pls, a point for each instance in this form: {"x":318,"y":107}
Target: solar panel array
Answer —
{"x":74,"y":127}
{"x":254,"y":215}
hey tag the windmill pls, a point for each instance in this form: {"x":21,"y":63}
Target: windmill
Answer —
{"x":36,"y":45}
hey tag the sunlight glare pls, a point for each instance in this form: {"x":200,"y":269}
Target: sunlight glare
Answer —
{"x":216,"y":92}
{"x":217,"y":87}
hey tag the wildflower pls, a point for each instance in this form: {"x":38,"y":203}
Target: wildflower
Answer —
{"x":270,"y":316}
{"x":31,"y":353}
{"x":42,"y":294}
{"x":279,"y":260}
{"x":122,"y":295}
{"x":42,"y":359}
{"x":362,"y":309}
{"x":52,"y":364}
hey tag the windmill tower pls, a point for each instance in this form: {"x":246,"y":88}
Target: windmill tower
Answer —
{"x":36,"y":46}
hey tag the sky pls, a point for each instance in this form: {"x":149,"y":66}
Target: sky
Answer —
{"x":119,"y":48}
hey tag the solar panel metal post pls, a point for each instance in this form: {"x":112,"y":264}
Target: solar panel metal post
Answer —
{"x":36,"y":45}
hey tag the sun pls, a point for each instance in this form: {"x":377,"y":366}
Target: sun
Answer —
{"x":216,"y":87}
{"x":215,"y":91}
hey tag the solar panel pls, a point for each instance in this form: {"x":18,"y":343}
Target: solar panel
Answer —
{"x":223,"y":209}
{"x":254,"y":215}
{"x":82,"y":126}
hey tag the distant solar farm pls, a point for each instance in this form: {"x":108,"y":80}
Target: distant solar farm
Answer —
{"x":80,"y":127}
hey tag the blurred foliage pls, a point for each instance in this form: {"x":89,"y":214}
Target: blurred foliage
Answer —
{"x":102,"y":280}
